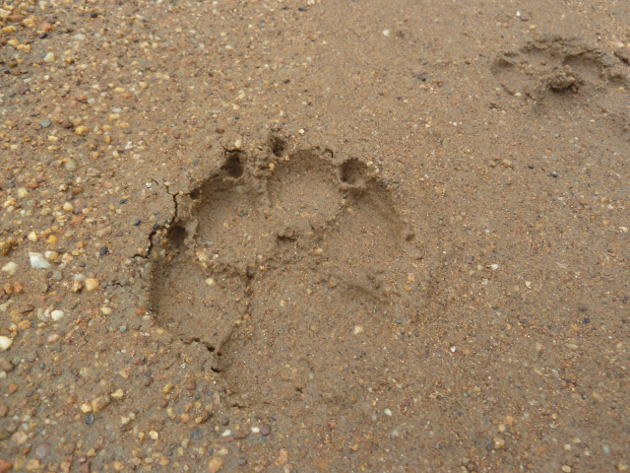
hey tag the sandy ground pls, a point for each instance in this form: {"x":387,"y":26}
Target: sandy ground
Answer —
{"x":314,"y":236}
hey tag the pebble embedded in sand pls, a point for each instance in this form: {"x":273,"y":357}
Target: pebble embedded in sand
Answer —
{"x":215,"y":464}
{"x":91,"y":284}
{"x":5,"y":343}
{"x":10,"y":268}
{"x":38,"y":261}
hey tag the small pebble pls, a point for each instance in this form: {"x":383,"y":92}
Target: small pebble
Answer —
{"x":38,"y":261}
{"x":100,"y":403}
{"x":10,"y":268}
{"x":266,"y":430}
{"x":71,"y":165}
{"x":215,"y":464}
{"x":43,"y":450}
{"x":5,"y":343}
{"x":92,"y":284}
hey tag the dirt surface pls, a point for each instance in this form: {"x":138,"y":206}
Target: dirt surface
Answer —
{"x":314,"y":236}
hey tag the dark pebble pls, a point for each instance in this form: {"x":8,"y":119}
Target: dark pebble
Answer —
{"x":104,"y":251}
{"x":136,"y":222}
{"x":266,"y":430}
{"x":586,"y":320}
{"x":89,"y":420}
{"x":554,"y":174}
{"x":123,"y":201}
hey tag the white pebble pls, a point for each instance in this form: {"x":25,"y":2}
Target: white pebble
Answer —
{"x":211,"y":282}
{"x":50,"y":57}
{"x":358,"y":329}
{"x":388,"y":412}
{"x":56,"y":314}
{"x":494,"y":267}
{"x":38,"y":261}
{"x":5,"y":343}
{"x":255,"y":430}
{"x":10,"y":268}
{"x":385,"y":32}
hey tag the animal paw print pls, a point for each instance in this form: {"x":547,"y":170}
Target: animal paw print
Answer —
{"x":284,"y":271}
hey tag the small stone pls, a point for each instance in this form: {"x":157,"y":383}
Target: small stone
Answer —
{"x":6,"y":365}
{"x":100,"y":403}
{"x":45,"y":123}
{"x":32,"y":465}
{"x":6,"y":245}
{"x":80,"y":130}
{"x":154,"y":435}
{"x":211,"y":282}
{"x":86,"y":408}
{"x":566,"y":469}
{"x":12,"y":388}
{"x":106,"y":310}
{"x":5,"y":466}
{"x":388,"y":412}
{"x":358,"y":329}
{"x":71,"y":165}
{"x":168,"y":387}
{"x":10,"y":268}
{"x":50,"y":57}
{"x":282,"y":457}
{"x":56,"y":315}
{"x":51,"y":255}
{"x":24,"y":325}
{"x":554,"y":174}
{"x":20,"y":437}
{"x":238,"y":144}
{"x":498,"y":443}
{"x":266,"y":430}
{"x":38,"y":261}
{"x":4,"y":410}
{"x":43,"y":450}
{"x":92,"y":284}
{"x":215,"y":464}
{"x":5,"y":343}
